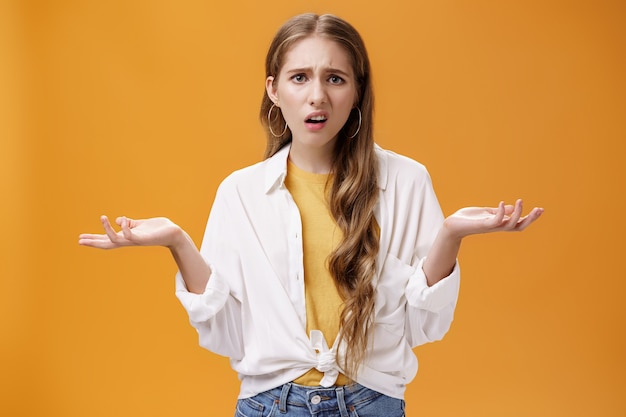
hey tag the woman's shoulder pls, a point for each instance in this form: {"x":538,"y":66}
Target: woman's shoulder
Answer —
{"x":261,"y":176}
{"x":400,"y":167}
{"x":248,"y":176}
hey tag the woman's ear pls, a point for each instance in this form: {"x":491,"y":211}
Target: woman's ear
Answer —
{"x":270,"y":87}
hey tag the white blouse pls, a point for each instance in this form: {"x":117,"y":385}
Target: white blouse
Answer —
{"x":253,"y":310}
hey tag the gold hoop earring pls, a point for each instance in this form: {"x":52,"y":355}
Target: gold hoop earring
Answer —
{"x":359,"y":128}
{"x":269,"y":123}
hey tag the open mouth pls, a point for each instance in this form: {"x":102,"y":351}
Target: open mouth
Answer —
{"x":316,"y":119}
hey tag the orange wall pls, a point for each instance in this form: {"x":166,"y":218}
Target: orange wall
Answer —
{"x":141,"y":107}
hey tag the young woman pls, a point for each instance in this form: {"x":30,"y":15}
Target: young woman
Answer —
{"x":323,"y":265}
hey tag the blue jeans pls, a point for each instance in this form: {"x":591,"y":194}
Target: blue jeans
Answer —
{"x":292,"y":400}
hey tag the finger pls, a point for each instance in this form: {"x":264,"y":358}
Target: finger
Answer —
{"x":529,"y":219}
{"x":498,"y":215}
{"x":92,"y":236}
{"x":516,"y":215}
{"x":126,"y":229}
{"x":509,"y":209}
{"x":112,"y":234}
{"x":96,"y":241}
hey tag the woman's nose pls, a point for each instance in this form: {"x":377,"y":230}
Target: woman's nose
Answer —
{"x":317,"y":94}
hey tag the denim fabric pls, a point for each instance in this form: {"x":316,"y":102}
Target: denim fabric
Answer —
{"x":292,"y":400}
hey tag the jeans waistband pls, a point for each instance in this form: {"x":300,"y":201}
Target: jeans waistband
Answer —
{"x":320,"y":399}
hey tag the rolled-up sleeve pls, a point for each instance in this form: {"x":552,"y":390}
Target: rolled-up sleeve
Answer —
{"x":436,"y":297}
{"x":202,"y":307}
{"x":216,"y":313}
{"x":430,"y":310}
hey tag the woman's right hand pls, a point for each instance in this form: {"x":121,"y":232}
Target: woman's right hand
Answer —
{"x":157,"y":231}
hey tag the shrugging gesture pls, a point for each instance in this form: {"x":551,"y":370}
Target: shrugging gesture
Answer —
{"x":157,"y":231}
{"x":475,"y":220}
{"x":160,"y":231}
{"x":317,"y":113}
{"x":471,"y":221}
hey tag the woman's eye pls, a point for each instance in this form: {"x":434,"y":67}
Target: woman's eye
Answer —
{"x":334,"y":79}
{"x":299,"y":78}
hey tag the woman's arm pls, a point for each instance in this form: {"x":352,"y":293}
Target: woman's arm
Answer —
{"x":470,"y":221}
{"x":158,"y":231}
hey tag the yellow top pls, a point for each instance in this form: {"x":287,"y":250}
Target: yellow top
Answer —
{"x":320,"y":235}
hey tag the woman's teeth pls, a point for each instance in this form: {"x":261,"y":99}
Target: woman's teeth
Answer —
{"x":316,"y":119}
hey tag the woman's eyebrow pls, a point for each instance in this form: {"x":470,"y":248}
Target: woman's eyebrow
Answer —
{"x":328,"y":70}
{"x":298,"y":70}
{"x":338,"y":71}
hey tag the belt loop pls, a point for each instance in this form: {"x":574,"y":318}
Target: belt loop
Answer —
{"x":341,"y":402}
{"x":282,"y":404}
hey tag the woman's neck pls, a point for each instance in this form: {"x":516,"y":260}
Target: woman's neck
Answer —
{"x":313,"y":160}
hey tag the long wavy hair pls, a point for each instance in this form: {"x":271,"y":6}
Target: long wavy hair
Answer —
{"x":353,"y":191}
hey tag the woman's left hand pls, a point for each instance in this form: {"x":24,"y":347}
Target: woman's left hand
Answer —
{"x":471,"y":221}
{"x":475,"y":220}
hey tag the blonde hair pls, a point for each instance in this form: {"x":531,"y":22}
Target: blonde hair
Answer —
{"x":353,"y":192}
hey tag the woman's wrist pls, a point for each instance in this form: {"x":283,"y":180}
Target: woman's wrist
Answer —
{"x":179,"y":240}
{"x":448,"y":233}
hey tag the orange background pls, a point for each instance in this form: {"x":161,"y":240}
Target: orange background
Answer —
{"x":140,"y":108}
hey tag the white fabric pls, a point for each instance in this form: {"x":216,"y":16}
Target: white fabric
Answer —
{"x":326,"y":359}
{"x":253,"y":307}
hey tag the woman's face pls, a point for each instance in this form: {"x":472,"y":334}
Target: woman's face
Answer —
{"x":315,"y":91}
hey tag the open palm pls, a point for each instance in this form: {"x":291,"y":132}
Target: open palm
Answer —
{"x":157,"y":231}
{"x":475,"y":220}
